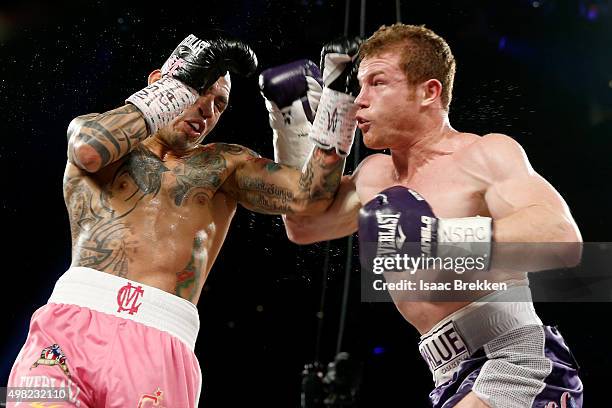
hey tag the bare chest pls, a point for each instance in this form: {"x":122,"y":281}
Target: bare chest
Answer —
{"x":150,"y":197}
{"x":143,"y":211}
{"x":449,"y":190}
{"x":175,"y":185}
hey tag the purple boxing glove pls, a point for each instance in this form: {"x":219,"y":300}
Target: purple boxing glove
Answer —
{"x":291,"y":94}
{"x":399,"y":222}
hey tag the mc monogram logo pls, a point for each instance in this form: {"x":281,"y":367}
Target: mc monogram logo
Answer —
{"x":127,"y":297}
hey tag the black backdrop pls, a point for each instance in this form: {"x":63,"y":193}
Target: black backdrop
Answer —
{"x":539,"y":71}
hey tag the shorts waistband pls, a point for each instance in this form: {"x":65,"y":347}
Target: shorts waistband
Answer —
{"x":462,"y":333}
{"x":130,"y":300}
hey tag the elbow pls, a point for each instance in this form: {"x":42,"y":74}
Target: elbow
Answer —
{"x":571,"y":249}
{"x":81,"y":152}
{"x":297,"y":233}
{"x":298,"y":238}
{"x":570,"y":254}
{"x":84,"y":155}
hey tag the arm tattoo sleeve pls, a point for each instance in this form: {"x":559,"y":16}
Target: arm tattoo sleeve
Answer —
{"x":273,"y":188}
{"x":112,"y":134}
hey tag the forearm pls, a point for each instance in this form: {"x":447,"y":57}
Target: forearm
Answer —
{"x":267,"y":187}
{"x":95,"y":141}
{"x":535,"y":238}
{"x":319,"y":180}
{"x":536,"y":223}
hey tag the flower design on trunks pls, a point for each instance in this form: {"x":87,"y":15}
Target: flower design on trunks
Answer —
{"x":52,"y":355}
{"x":566,"y":402}
{"x":151,"y":400}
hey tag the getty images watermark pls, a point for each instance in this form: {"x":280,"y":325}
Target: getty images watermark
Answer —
{"x":404,"y":263}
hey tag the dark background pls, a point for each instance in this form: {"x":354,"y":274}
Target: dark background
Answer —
{"x":539,"y":71}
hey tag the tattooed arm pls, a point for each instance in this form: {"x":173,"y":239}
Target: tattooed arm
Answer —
{"x":97,"y":140}
{"x":339,"y":220}
{"x":264,"y":186}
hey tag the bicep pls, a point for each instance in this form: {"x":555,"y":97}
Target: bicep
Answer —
{"x":259,"y":184}
{"x":262,"y":185}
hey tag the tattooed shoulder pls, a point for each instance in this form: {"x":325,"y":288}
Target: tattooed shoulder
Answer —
{"x":231,"y":149}
{"x":111,"y":134}
{"x":201,"y":174}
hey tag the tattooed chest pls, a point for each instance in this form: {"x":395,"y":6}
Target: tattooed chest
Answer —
{"x":142,"y":180}
{"x":113,"y":214}
{"x":191,"y":181}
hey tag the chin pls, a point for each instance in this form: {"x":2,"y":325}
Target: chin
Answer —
{"x":180,"y":145}
{"x":374,"y":143}
{"x":176,"y":140}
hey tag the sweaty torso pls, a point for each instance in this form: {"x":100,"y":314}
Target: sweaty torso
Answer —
{"x":453,"y":187}
{"x":158,"y":221}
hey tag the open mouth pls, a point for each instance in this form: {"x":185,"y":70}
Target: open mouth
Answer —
{"x":195,"y":128}
{"x":363,"y":124}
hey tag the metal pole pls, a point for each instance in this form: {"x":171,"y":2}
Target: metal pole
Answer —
{"x":346,"y":16}
{"x":347,"y":281}
{"x":362,"y":19}
{"x":349,"y":246}
{"x":321,"y":313}
{"x":398,"y":14}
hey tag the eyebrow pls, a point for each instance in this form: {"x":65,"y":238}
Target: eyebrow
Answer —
{"x":371,"y":74}
{"x":223,"y":99}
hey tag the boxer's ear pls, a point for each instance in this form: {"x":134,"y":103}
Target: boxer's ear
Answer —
{"x":431,"y":91}
{"x":154,"y":76}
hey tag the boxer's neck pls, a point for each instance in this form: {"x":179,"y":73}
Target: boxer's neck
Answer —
{"x":422,"y":145}
{"x":166,"y":152}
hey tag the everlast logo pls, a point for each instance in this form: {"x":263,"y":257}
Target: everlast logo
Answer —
{"x":192,"y":43}
{"x":443,"y":350}
{"x":427,"y":234}
{"x":416,"y":195}
{"x":387,"y":227}
{"x":127,"y":297}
